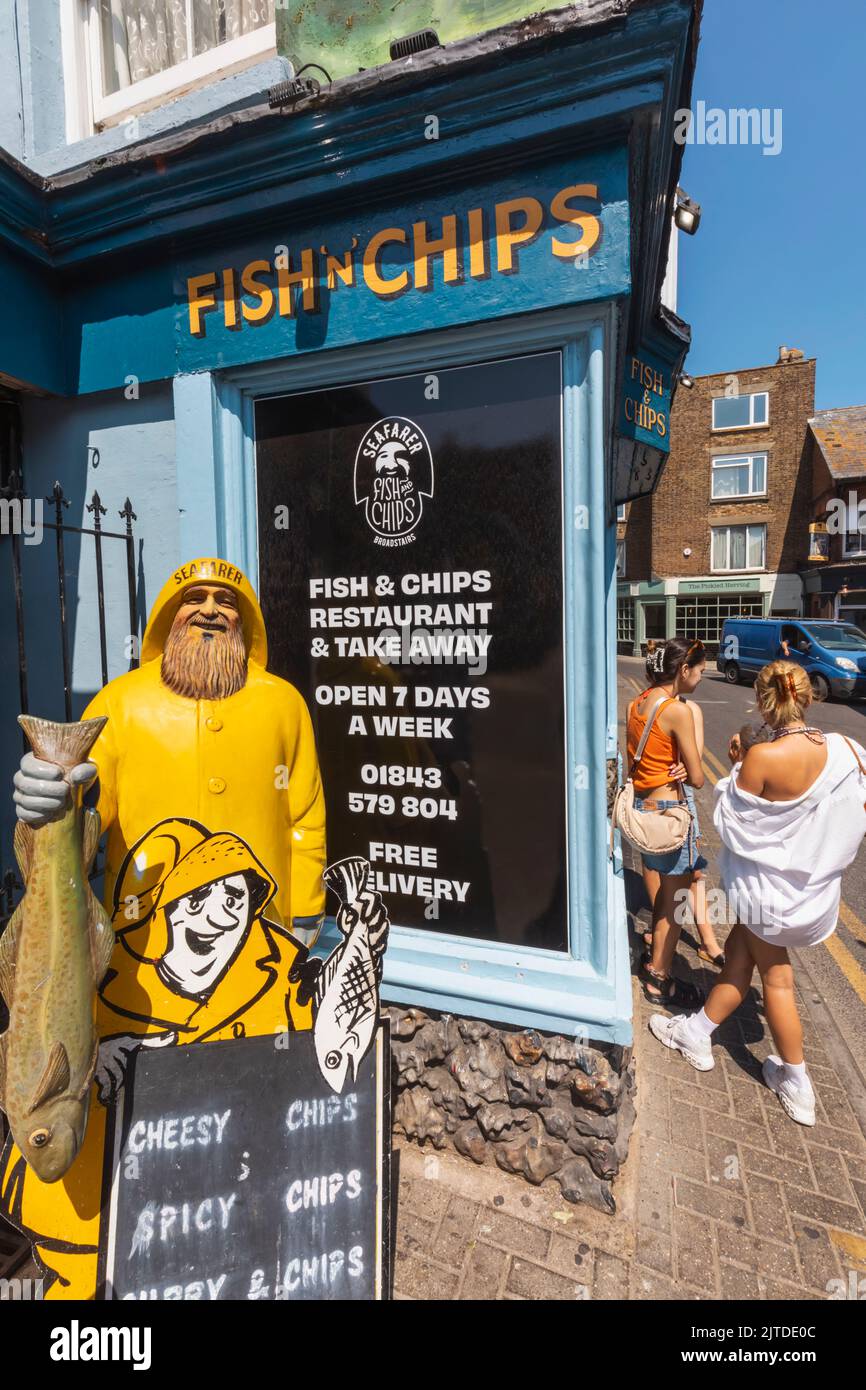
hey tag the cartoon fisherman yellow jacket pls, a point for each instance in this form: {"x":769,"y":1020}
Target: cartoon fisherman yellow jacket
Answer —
{"x":212,"y":854}
{"x":247,"y":763}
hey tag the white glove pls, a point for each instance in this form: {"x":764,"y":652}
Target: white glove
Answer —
{"x":42,"y":792}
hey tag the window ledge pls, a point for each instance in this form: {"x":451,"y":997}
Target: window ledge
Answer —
{"x":186,"y":77}
{"x":743,"y":497}
{"x":738,"y":429}
{"x":222,"y":96}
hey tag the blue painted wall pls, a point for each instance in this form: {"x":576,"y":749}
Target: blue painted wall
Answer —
{"x":229,"y":94}
{"x":32,"y":107}
{"x":138,"y":318}
{"x":32,"y":114}
{"x":136,"y":444}
{"x":31,"y":332}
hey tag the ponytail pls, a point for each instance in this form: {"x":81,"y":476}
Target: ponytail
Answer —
{"x":663,"y":660}
{"x":784,"y":693}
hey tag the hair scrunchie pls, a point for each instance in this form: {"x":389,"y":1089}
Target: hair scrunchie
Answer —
{"x":791,"y":684}
{"x":657,"y":660}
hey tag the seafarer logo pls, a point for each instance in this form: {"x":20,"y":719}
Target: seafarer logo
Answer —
{"x":393,"y":475}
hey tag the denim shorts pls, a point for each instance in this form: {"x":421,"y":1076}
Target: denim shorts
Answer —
{"x":700,"y":861}
{"x":674,"y":861}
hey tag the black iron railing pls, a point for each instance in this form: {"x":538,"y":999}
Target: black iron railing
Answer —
{"x":60,"y":529}
{"x":10,"y":886}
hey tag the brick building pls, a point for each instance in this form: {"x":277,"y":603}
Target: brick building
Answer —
{"x":726,"y":531}
{"x":835,"y":586}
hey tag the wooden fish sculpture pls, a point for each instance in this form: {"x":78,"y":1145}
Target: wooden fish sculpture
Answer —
{"x":347,"y":1003}
{"x":53,"y":955}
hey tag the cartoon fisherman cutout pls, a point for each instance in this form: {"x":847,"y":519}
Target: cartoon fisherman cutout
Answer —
{"x":207,"y":783}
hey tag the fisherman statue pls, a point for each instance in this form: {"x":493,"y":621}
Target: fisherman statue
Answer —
{"x":207,"y":783}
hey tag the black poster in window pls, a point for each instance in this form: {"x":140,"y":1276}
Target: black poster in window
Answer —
{"x":410,"y":561}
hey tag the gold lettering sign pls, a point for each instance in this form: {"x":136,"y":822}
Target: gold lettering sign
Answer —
{"x":650,"y":411}
{"x":493,"y":237}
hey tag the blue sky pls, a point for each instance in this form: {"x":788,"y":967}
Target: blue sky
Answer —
{"x":780,"y":255}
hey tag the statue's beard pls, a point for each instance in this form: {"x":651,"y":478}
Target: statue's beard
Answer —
{"x":204,"y":665}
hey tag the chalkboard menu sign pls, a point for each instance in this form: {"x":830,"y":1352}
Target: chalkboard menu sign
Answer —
{"x":237,"y":1173}
{"x":410,"y":545}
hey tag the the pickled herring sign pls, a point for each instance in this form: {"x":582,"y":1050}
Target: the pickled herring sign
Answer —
{"x":548,"y":237}
{"x":416,"y":601}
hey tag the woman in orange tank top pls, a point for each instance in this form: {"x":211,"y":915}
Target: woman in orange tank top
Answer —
{"x":671,"y":757}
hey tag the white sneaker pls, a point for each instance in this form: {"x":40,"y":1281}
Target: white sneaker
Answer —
{"x":797,"y":1100}
{"x":673,"y":1033}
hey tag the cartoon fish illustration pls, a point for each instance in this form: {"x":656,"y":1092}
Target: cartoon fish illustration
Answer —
{"x":53,"y":955}
{"x":347,"y":991}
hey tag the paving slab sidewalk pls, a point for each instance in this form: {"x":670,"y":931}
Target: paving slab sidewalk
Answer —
{"x":721,"y":1197}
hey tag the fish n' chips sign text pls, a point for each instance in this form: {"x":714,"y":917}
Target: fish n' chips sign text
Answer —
{"x":561,"y":235}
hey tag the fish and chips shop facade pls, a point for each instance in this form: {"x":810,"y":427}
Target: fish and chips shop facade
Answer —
{"x":395,"y":351}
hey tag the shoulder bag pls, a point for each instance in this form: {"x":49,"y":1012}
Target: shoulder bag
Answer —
{"x":651,"y":832}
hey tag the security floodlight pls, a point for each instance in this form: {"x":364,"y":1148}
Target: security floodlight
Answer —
{"x":687,"y":213}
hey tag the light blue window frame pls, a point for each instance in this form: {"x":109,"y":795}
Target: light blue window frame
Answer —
{"x":587,"y":989}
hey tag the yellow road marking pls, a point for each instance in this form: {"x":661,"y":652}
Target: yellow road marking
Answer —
{"x":709,"y":772}
{"x":716,"y":763}
{"x":855,"y":1246}
{"x":853,"y":973}
{"x":852,"y":922}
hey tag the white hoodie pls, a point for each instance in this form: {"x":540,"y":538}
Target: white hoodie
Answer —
{"x":781,"y":862}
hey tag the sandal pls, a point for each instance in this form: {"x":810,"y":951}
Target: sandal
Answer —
{"x":672,"y":993}
{"x":718,"y":961}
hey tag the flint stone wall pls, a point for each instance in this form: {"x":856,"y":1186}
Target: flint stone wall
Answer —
{"x":537,"y":1104}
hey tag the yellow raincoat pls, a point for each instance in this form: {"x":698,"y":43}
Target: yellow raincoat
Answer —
{"x":224,"y":763}
{"x":190,"y":792}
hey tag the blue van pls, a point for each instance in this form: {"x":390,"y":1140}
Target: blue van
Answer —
{"x":832,"y":654}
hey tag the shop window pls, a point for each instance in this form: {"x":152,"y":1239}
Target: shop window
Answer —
{"x":738,"y":547}
{"x":739,"y":475}
{"x":625,"y":622}
{"x":416,"y":601}
{"x":140,"y":52}
{"x":703,"y":615}
{"x":741,"y":412}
